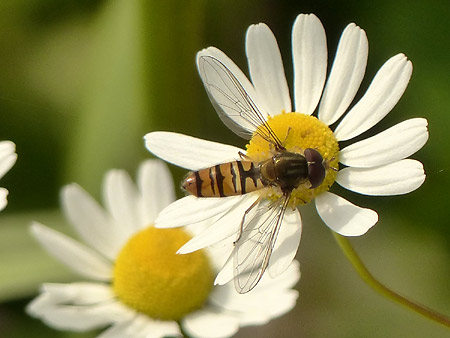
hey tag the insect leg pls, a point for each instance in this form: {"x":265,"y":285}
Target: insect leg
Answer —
{"x":241,"y":226}
{"x":244,"y":157}
{"x":287,"y":135}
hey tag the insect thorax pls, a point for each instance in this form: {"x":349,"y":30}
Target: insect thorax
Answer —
{"x":287,"y":170}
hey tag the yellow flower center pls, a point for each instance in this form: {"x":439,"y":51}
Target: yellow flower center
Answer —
{"x":151,"y":278}
{"x":298,"y":132}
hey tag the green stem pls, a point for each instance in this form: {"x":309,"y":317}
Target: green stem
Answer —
{"x":183,"y":333}
{"x":361,"y":269}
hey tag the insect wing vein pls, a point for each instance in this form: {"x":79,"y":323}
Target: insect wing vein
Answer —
{"x":233,"y":104}
{"x":255,"y":245}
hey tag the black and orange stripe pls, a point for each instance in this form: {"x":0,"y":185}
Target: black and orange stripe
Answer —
{"x":226,"y":179}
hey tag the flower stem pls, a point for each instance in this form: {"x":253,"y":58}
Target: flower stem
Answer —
{"x":367,"y":277}
{"x":183,"y":333}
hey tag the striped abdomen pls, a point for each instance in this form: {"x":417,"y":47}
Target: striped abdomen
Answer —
{"x":226,"y":179}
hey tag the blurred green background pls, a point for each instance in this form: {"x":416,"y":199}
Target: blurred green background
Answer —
{"x":81,"y":82}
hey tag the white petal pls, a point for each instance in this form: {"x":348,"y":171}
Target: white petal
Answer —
{"x":393,"y":144}
{"x":226,"y":273}
{"x":209,"y":323}
{"x":160,"y":329}
{"x":7,"y":156}
{"x":288,"y":279}
{"x":224,"y":227}
{"x":344,"y":217}
{"x":79,"y":293}
{"x":78,"y":317}
{"x":142,"y":326}
{"x":276,"y":305}
{"x":271,"y":298}
{"x":92,"y":223}
{"x":118,"y":330}
{"x":3,"y":198}
{"x":287,"y":243}
{"x":78,"y":257}
{"x":220,"y":252}
{"x":309,"y":51}
{"x":266,"y":69}
{"x":191,"y":209}
{"x":189,"y":152}
{"x":122,"y":201}
{"x":156,"y":186}
{"x":134,"y":328}
{"x":383,"y":94}
{"x":225,"y":296}
{"x":78,"y":306}
{"x":396,"y":178}
{"x":346,"y":74}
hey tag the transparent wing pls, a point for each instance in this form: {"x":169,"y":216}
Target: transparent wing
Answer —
{"x":260,"y":227}
{"x":233,"y":104}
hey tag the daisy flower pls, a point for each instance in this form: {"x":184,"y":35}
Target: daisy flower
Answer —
{"x":138,"y":286}
{"x":262,"y":109}
{"x":8,"y":157}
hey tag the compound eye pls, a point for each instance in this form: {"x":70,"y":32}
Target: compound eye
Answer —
{"x":312,"y":155}
{"x":316,"y":169}
{"x":316,"y":174}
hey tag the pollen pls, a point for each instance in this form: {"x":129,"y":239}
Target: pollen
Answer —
{"x":298,"y":132}
{"x":152,"y":279}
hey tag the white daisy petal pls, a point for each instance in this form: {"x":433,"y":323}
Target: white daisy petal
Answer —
{"x":396,"y":178}
{"x":7,"y":156}
{"x":266,"y":69}
{"x":271,"y":298}
{"x":287,"y":243}
{"x":288,"y":279}
{"x":3,"y":198}
{"x":227,"y":297}
{"x":220,"y":253}
{"x":160,"y":329}
{"x":189,"y":152}
{"x":121,"y":200}
{"x":142,"y":327}
{"x":207,"y":323}
{"x":383,"y":94}
{"x":80,"y":318}
{"x":39,"y":304}
{"x":137,"y":327}
{"x":92,"y":223}
{"x":78,"y":306}
{"x":79,"y":293}
{"x":309,"y":51}
{"x":157,"y":189}
{"x":346,"y":74}
{"x":344,"y":217}
{"x":275,"y":306}
{"x":224,"y":227}
{"x":78,"y":257}
{"x":6,"y":148}
{"x":226,"y":273}
{"x":118,"y":330}
{"x":226,"y":96}
{"x":191,"y":209}
{"x":393,"y":144}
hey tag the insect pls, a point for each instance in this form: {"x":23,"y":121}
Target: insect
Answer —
{"x":286,"y":170}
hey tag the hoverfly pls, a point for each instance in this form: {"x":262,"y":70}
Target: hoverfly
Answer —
{"x":286,"y":170}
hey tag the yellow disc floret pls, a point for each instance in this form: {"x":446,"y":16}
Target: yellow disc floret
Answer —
{"x":151,"y":278}
{"x":298,"y":132}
